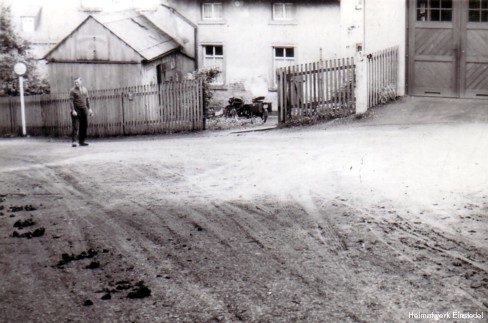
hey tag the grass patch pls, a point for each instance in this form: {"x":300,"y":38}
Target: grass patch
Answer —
{"x":221,"y":123}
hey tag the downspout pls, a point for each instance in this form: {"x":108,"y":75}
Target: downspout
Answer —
{"x":364,"y":25}
{"x":195,"y":36}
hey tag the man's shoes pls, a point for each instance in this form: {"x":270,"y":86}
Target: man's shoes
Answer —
{"x":83,"y":144}
{"x":74,"y":144}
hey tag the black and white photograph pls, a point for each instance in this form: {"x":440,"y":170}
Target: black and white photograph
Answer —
{"x":258,"y":161}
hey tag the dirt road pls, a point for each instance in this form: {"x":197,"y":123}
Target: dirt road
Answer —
{"x":332,"y":223}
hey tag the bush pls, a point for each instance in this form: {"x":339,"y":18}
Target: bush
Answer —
{"x":207,"y":75}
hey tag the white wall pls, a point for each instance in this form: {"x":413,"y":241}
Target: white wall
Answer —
{"x":386,"y":27}
{"x":352,"y":31}
{"x":385,"y":22}
{"x":248,"y":34}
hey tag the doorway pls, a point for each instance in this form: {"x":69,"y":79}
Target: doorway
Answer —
{"x":448,"y":48}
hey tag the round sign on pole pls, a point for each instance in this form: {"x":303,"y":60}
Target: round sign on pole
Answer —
{"x":20,"y":68}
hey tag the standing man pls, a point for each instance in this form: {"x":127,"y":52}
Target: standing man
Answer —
{"x":80,"y":110}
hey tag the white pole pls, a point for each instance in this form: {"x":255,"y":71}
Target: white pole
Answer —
{"x":361,"y":90}
{"x":22,"y":105}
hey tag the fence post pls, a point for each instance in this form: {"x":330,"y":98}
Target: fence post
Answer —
{"x":204,"y":107}
{"x":279,"y":82}
{"x":123,"y":111}
{"x":13,"y":124}
{"x":361,"y":90}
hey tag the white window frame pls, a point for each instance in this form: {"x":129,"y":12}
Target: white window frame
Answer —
{"x":29,"y":19}
{"x":286,"y":60}
{"x":219,"y":80}
{"x":28,"y":24}
{"x":281,"y":13}
{"x":213,"y":12}
{"x":91,"y":5}
{"x":359,"y":4}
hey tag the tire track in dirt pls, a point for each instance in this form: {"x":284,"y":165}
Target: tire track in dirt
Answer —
{"x":195,"y":263}
{"x":310,"y":199}
{"x":134,"y":224}
{"x":292,"y":261}
{"x":325,"y":229}
{"x":198,"y":278}
{"x":468,"y":275}
{"x":429,"y":240}
{"x":115,"y":222}
{"x":156,"y":257}
{"x":429,"y":260}
{"x":131,"y":229}
{"x":213,"y":281}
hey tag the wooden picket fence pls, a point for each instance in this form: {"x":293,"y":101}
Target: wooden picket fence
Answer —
{"x":382,"y":76}
{"x":322,"y":89}
{"x":147,"y":109}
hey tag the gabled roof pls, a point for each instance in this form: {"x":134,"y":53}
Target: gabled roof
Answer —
{"x":135,"y":30}
{"x":138,"y":32}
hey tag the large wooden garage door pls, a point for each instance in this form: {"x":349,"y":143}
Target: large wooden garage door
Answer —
{"x":474,"y":59}
{"x":448,"y":48}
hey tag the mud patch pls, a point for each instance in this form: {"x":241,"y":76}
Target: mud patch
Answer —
{"x":28,"y":207}
{"x":88,"y":302}
{"x":106,"y":296}
{"x":136,"y":290}
{"x":139,"y":291}
{"x":24,"y":223}
{"x":67,"y":258}
{"x":93,"y":265}
{"x":29,"y":235}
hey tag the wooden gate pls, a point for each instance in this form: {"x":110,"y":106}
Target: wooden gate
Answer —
{"x":321,"y":89}
{"x":382,"y":76}
{"x":448,"y":48}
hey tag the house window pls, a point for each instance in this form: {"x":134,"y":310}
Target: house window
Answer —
{"x":91,"y":5}
{"x":283,"y":56}
{"x":29,"y":18}
{"x":28,"y":24}
{"x":213,"y":57}
{"x":283,"y":11}
{"x":434,"y":10}
{"x":212,"y":11}
{"x":478,"y":10}
{"x":359,"y":4}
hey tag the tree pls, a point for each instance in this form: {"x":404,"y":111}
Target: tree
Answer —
{"x":12,"y":50}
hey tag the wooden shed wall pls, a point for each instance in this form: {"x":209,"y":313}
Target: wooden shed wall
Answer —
{"x":149,"y":72}
{"x":108,"y":46}
{"x":185,"y":64}
{"x":95,"y":75}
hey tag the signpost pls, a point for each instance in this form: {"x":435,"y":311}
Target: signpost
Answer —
{"x":20,"y":69}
